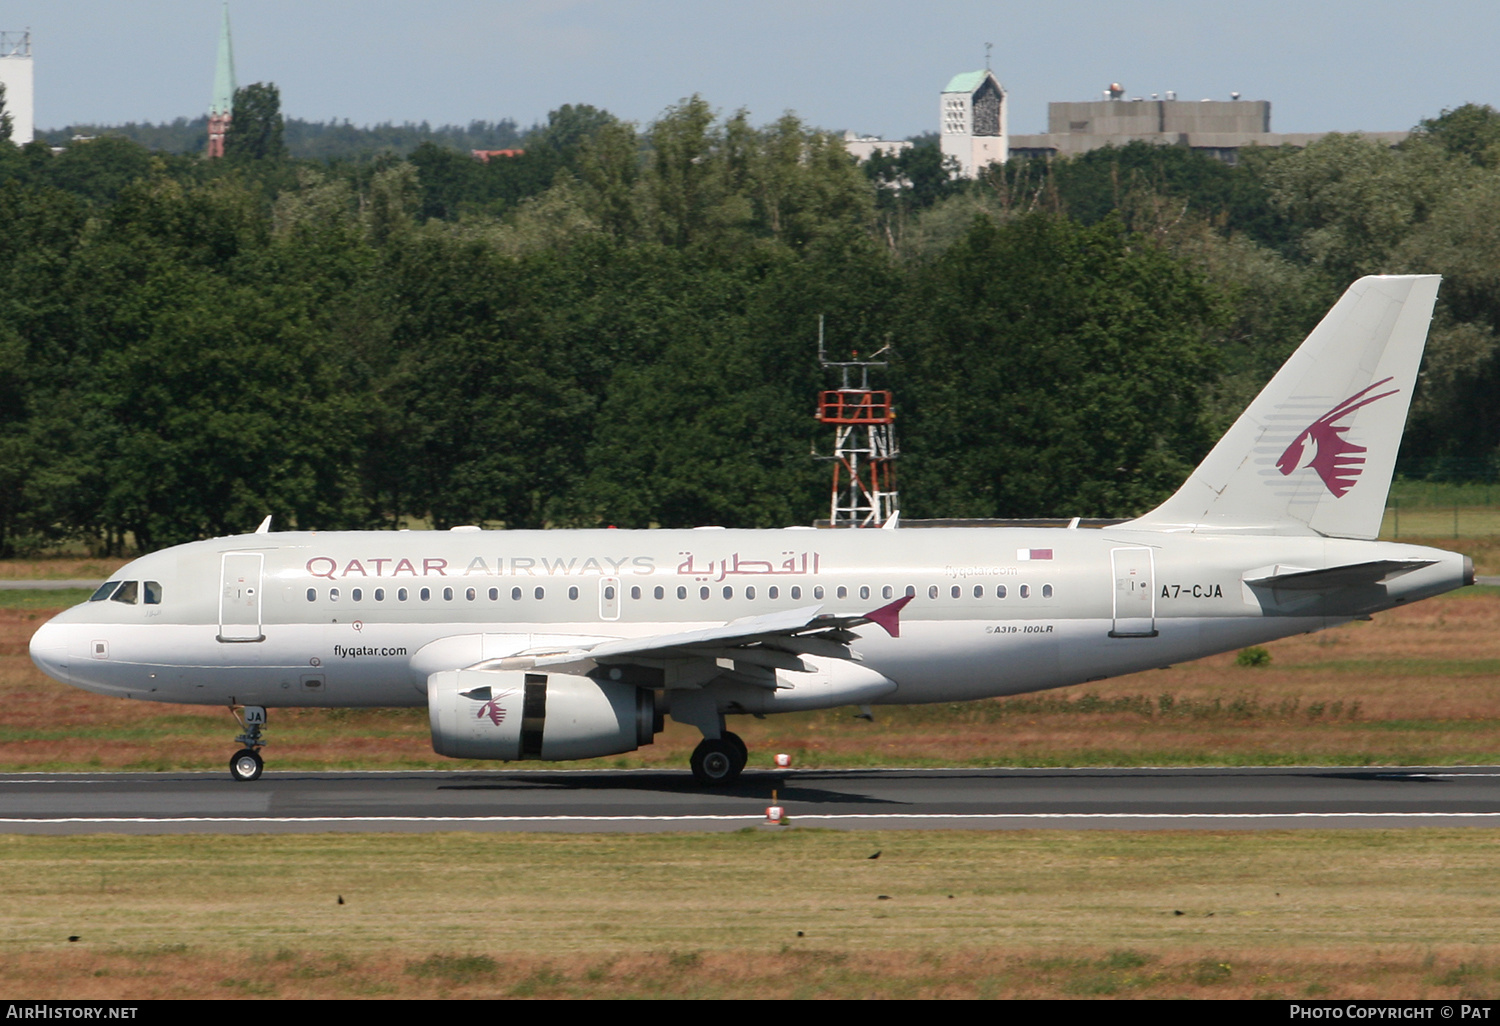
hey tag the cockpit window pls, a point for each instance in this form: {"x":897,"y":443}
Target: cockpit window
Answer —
{"x":128,"y":593}
{"x":153,"y":593}
{"x":105,"y":590}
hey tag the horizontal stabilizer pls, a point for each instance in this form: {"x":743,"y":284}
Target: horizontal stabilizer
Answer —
{"x":1352,"y":575}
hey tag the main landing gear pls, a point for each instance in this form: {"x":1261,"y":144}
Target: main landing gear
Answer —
{"x":246,"y":764}
{"x":717,"y":762}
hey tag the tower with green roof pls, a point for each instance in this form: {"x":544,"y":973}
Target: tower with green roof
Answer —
{"x":221,"y":107}
{"x":973,"y":118}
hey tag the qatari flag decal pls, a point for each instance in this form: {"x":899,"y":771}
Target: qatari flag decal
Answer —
{"x":1026,"y":554}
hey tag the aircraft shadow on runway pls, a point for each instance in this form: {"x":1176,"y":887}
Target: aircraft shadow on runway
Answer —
{"x":751,"y":784}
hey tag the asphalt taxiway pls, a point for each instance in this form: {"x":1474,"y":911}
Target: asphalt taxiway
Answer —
{"x":656,"y":800}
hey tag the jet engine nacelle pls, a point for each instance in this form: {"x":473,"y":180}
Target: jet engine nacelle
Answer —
{"x":482,"y":714}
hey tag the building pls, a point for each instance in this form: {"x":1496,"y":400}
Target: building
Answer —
{"x":20,"y":93}
{"x":221,"y":107}
{"x":1220,"y":128}
{"x":973,"y":113}
{"x":863,"y":147}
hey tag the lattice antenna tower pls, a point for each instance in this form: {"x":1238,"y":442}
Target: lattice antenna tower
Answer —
{"x":864,"y":440}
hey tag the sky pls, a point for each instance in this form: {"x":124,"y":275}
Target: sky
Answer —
{"x":874,"y":66}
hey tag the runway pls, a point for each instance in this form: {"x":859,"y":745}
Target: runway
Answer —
{"x":656,"y":800}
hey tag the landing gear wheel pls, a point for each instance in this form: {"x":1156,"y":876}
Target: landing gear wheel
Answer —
{"x":716,"y":762}
{"x":739,"y":743}
{"x":246,"y":764}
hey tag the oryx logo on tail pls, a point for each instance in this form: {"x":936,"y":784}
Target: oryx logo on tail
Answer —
{"x":1323,"y":447}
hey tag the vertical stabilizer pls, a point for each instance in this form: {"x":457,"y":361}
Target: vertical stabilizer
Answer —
{"x":1314,"y":453}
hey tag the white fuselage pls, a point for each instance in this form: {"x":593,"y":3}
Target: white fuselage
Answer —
{"x":364,"y":618}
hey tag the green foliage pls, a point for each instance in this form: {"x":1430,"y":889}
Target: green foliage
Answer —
{"x":255,"y":128}
{"x":617,"y":326}
{"x":1253,"y":656}
{"x":1053,"y":369}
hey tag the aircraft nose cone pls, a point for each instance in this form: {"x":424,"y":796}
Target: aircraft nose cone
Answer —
{"x":49,"y":650}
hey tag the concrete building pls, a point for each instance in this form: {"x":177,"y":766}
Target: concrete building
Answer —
{"x":20,"y":92}
{"x":863,"y":147}
{"x":1220,"y":128}
{"x":973,"y":114}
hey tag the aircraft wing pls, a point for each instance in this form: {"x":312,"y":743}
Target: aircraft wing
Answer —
{"x":751,"y":648}
{"x":1350,"y":575}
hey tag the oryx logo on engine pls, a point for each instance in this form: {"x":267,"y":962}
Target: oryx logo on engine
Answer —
{"x":1323,"y":447}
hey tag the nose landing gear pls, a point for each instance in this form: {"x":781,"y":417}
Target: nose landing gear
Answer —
{"x":246,"y":764}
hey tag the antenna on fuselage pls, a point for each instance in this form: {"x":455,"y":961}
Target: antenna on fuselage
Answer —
{"x":265,"y":525}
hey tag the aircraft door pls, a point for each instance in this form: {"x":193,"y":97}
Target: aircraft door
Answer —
{"x":609,"y":598}
{"x":1134,"y":594}
{"x":240,"y":597}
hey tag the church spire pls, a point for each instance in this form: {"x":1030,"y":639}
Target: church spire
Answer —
{"x":222,"y":105}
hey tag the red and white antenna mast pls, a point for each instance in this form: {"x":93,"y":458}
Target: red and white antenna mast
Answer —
{"x":864,"y":441}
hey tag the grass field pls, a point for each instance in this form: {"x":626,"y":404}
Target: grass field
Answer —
{"x":799,"y":913}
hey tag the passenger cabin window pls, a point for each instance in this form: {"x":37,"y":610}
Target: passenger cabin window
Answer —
{"x":128,"y":593}
{"x":471,"y":594}
{"x":379,"y":594}
{"x":773,"y":592}
{"x":333,"y":594}
{"x":911,"y":591}
{"x":956,"y":591}
{"x":425,"y":594}
{"x":515,"y":594}
{"x":979,"y":591}
{"x":750,"y":591}
{"x":886,"y":592}
{"x":1046,"y":591}
{"x":540,"y":593}
{"x":817,"y":591}
{"x":682,"y":593}
{"x":105,"y":590}
{"x":494,"y":594}
{"x":1026,"y":591}
{"x":659,"y":592}
{"x":843,"y":592}
{"x":864,"y":591}
{"x":153,"y":593}
{"x":401,"y":594}
{"x":357,"y":594}
{"x":932,"y":591}
{"x":573,"y":592}
{"x":447,"y":594}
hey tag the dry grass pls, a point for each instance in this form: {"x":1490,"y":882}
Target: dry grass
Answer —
{"x":1399,"y":914}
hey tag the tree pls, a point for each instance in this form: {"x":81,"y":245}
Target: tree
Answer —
{"x":256,"y":127}
{"x":1053,"y":369}
{"x":7,"y":120}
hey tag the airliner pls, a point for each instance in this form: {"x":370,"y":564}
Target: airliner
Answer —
{"x":560,"y":645}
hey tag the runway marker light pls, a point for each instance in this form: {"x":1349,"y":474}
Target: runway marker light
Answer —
{"x":775,"y":814}
{"x":783,"y":761}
